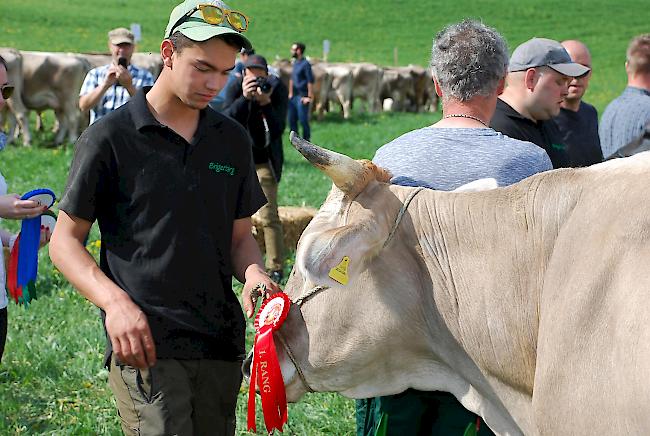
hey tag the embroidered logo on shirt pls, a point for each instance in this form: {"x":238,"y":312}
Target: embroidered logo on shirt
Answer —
{"x":221,"y":168}
{"x":558,"y":146}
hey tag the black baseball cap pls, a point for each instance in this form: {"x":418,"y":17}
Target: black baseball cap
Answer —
{"x":256,"y":61}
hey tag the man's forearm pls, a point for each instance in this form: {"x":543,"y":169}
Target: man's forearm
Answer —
{"x":246,"y":256}
{"x":245,"y":253}
{"x":131,"y":89}
{"x":90,"y":100}
{"x":77,"y":265}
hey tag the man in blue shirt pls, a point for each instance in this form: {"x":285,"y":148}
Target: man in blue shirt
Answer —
{"x":108,"y":87}
{"x":301,"y":91}
{"x":625,"y":117}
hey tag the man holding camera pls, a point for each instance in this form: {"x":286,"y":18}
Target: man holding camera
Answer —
{"x":259,"y":102}
{"x":108,"y":87}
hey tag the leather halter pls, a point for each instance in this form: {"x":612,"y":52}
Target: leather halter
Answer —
{"x":316,"y":289}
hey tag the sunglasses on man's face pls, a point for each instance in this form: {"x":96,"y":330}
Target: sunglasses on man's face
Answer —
{"x":215,"y":15}
{"x":7,"y":91}
{"x":582,"y":76}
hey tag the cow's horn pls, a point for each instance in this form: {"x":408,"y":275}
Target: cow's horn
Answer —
{"x":343,"y":170}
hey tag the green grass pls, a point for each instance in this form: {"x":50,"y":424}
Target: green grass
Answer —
{"x":358,"y":30}
{"x":51,"y":381}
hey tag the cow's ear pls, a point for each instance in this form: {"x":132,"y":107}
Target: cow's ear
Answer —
{"x":336,"y":256}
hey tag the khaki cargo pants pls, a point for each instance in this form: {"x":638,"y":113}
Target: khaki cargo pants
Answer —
{"x":177,"y":397}
{"x":273,"y":235}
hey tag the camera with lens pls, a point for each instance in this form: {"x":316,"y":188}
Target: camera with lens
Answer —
{"x":264,"y":84}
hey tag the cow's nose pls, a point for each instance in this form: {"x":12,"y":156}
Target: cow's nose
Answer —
{"x":246,"y":366}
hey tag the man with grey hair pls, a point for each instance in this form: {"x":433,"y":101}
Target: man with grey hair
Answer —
{"x":539,"y":74}
{"x":468,"y":64}
{"x":627,"y":118}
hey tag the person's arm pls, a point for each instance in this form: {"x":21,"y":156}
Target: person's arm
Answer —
{"x":310,"y":85}
{"x":125,"y":79}
{"x":126,"y":324}
{"x":235,"y":103}
{"x":276,"y":112}
{"x":12,"y":207}
{"x":92,"y":91}
{"x":247,"y":263}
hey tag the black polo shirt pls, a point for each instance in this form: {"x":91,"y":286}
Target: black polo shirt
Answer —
{"x":165,"y":209}
{"x":545,"y":134}
{"x":579,"y":131}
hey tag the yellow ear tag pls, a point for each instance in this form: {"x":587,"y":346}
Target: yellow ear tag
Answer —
{"x":340,"y":272}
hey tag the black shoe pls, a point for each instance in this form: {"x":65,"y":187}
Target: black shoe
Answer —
{"x":276,"y":276}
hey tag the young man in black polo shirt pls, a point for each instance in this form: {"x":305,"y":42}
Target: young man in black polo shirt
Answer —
{"x":172,"y":186}
{"x":538,"y":80}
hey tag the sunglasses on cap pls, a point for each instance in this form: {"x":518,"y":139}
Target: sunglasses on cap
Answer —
{"x":215,"y":15}
{"x":7,"y":91}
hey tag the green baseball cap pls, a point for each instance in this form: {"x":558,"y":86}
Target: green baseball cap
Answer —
{"x":188,"y":19}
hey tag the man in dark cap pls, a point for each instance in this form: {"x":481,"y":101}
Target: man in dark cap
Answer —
{"x":538,"y":79}
{"x":259,"y":102}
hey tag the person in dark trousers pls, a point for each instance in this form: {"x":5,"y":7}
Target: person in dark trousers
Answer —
{"x":259,"y":102}
{"x":578,"y":120}
{"x":172,"y":185}
{"x":539,"y":74}
{"x":301,"y":90}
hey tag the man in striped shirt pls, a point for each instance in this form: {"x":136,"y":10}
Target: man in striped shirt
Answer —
{"x":108,"y":87}
{"x":625,"y":118}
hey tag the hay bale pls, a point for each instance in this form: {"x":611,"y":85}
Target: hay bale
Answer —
{"x":294,"y":220}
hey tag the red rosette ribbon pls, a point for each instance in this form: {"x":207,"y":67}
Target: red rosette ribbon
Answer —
{"x":265,"y":370}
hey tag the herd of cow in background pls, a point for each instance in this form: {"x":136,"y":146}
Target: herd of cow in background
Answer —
{"x":51,"y":81}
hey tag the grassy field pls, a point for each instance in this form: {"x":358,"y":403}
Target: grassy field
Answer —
{"x":50,"y":378}
{"x":358,"y":30}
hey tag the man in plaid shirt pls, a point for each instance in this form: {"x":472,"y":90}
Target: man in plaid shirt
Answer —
{"x":108,"y":87}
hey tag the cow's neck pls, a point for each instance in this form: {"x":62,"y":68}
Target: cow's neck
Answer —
{"x":487,"y":254}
